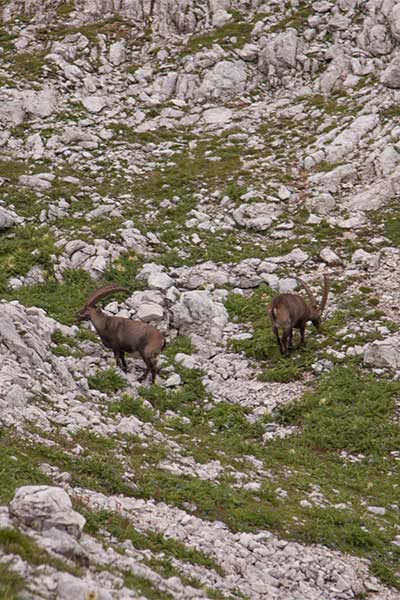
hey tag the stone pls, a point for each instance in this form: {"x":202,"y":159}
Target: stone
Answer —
{"x":160,"y":281}
{"x":391,"y":75}
{"x":287,"y":285}
{"x":117,"y":54}
{"x":376,"y":510}
{"x":40,"y":104}
{"x":322,"y":204}
{"x":226,"y":78}
{"x":349,"y":139}
{"x":258,"y":215}
{"x":40,"y":182}
{"x":330,"y":257}
{"x":383,"y":353}
{"x":217,"y":116}
{"x":7,"y":219}
{"x":280,"y":53}
{"x":187,"y":361}
{"x":42,"y":507}
{"x":198,"y":312}
{"x":80,"y":588}
{"x":366,"y":259}
{"x":149,"y":311}
{"x":173,"y":380}
{"x":94,"y":104}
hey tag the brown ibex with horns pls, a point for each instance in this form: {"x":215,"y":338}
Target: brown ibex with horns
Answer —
{"x":291,"y":311}
{"x":122,"y":334}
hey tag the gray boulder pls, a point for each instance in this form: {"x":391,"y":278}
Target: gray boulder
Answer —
{"x":391,"y":75}
{"x":280,"y":53}
{"x":42,"y":507}
{"x":40,"y":104}
{"x":226,"y":78}
{"x":383,"y":353}
{"x":117,"y":53}
{"x":7,"y":219}
{"x":197,"y":312}
{"x":258,"y":215}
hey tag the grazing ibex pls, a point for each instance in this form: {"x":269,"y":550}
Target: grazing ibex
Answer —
{"x":290,"y":311}
{"x":122,"y":334}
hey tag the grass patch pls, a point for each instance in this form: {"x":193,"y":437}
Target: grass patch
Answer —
{"x":11,"y":584}
{"x":282,"y":374}
{"x":352,"y":415}
{"x":236,"y":28}
{"x":128,"y":406}
{"x":107,"y":381}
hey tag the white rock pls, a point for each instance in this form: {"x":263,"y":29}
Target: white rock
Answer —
{"x":197,"y":312}
{"x":383,"y":353}
{"x":173,"y":380}
{"x":364,"y":258}
{"x":117,"y":53}
{"x":287,"y":285}
{"x":149,"y":311}
{"x":376,"y":510}
{"x":330,"y":257}
{"x":160,"y":281}
{"x":217,"y":116}
{"x":42,"y":507}
{"x":94,"y":104}
{"x":258,"y":215}
{"x":7,"y":219}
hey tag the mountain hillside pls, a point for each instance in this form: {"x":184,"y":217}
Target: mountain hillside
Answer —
{"x":203,"y":155}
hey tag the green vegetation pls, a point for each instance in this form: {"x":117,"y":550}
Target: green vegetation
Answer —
{"x":349,"y":412}
{"x":237,"y":29}
{"x":107,"y":381}
{"x":11,"y":584}
{"x":128,"y":406}
{"x":297,"y":19}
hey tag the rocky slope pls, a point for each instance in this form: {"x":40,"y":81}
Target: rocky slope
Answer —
{"x":203,"y":154}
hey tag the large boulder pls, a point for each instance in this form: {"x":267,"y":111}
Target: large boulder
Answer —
{"x":226,"y":78}
{"x":197,"y":312}
{"x":258,"y":215}
{"x":391,"y":75}
{"x":42,"y":507}
{"x":280,"y":53}
{"x":383,"y":353}
{"x":7,"y":219}
{"x":40,"y":104}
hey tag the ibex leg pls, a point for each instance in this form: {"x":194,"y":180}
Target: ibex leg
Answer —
{"x":285,"y":341}
{"x":278,"y":339}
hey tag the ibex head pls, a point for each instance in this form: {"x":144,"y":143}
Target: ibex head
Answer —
{"x":316,"y":309}
{"x":90,"y":307}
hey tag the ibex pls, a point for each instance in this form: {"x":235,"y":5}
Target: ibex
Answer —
{"x":122,"y":334}
{"x":290,"y":311}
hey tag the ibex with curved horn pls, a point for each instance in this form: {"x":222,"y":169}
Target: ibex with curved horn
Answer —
{"x":122,"y":334}
{"x":291,"y":311}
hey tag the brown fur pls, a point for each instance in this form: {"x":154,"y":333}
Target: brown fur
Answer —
{"x":291,"y":311}
{"x":125,"y":335}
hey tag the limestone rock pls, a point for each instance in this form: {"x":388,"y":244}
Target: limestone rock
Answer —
{"x":225,"y":78}
{"x":94,"y":104}
{"x":42,"y":507}
{"x":7,"y":219}
{"x":198,"y":312}
{"x":391,"y":75}
{"x":383,"y":353}
{"x":258,"y":216}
